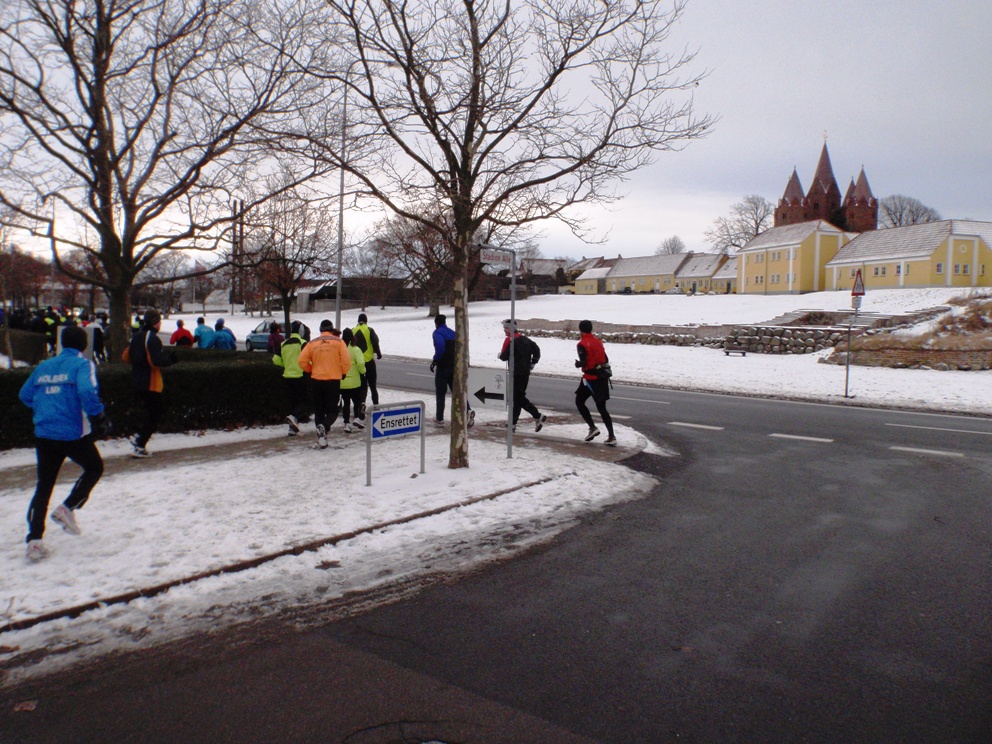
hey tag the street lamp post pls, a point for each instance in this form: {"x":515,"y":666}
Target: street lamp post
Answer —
{"x":339,"y":283}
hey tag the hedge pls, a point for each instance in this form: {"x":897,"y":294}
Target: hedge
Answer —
{"x":206,"y":390}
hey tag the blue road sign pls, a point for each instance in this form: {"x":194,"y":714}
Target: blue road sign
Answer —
{"x":391,"y":423}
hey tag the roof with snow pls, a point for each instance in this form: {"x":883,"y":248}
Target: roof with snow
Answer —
{"x":728,"y":270}
{"x":649,"y":265}
{"x":701,"y":265}
{"x":908,"y":241}
{"x":786,"y":235}
{"x":593,"y":274}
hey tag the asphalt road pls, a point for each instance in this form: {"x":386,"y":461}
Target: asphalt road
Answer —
{"x":802,"y":573}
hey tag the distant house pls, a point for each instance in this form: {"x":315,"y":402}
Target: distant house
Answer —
{"x":543,"y":275}
{"x":696,"y":274}
{"x":725,"y":278}
{"x":592,"y":281}
{"x":949,"y":253}
{"x":790,"y":259}
{"x":645,"y":274}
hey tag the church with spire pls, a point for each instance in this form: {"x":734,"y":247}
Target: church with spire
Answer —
{"x":857,"y":211}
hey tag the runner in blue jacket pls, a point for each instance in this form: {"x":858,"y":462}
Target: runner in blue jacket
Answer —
{"x":68,"y":417}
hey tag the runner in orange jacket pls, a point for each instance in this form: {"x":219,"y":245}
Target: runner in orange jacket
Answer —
{"x":327,"y":361}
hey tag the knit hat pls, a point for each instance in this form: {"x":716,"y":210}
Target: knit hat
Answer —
{"x":151,"y":317}
{"x":219,"y":324}
{"x":326,"y":325}
{"x":294,"y":327}
{"x":585,"y":326}
{"x":439,"y":320}
{"x":508,"y":323}
{"x":363,"y":318}
{"x":74,"y":337}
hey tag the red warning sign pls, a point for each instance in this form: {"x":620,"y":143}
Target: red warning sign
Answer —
{"x":858,"y":290}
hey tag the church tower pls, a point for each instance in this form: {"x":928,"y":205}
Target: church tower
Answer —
{"x":858,"y":212}
{"x":860,"y":206}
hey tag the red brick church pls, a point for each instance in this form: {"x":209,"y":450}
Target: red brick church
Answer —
{"x":856,"y":212}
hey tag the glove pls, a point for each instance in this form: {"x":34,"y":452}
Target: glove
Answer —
{"x":378,"y":356}
{"x":433,"y":365}
{"x":578,"y":364}
{"x":101,"y":426}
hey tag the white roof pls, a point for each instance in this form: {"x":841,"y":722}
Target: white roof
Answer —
{"x":593,"y":274}
{"x":648,"y":265}
{"x":728,"y":270}
{"x":788,"y":235}
{"x":701,"y":265}
{"x":908,"y":241}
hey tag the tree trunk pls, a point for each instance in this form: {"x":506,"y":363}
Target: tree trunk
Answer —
{"x":458,"y":454}
{"x":120,"y":324}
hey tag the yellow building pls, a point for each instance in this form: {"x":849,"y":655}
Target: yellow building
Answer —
{"x":790,"y":259}
{"x":949,"y":253}
{"x":645,"y":274}
{"x":725,"y":278}
{"x":592,"y":281}
{"x":696,"y":275}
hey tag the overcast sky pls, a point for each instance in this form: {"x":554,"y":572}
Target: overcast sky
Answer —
{"x":900,"y":87}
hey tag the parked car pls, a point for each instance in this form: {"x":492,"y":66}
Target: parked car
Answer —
{"x":259,"y":338}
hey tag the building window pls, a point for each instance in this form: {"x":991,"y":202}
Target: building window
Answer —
{"x":854,"y":273}
{"x":874,"y":271}
{"x":966,"y":269}
{"x":957,"y":269}
{"x":982,"y":272}
{"x":898,"y":269}
{"x":884,"y":270}
{"x":940,"y":268}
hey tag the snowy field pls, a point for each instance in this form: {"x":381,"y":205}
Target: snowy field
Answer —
{"x":206,"y":502}
{"x":405,"y":332}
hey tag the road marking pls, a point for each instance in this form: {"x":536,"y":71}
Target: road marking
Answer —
{"x":938,"y":453}
{"x":804,"y":439}
{"x":695,"y":426}
{"x":938,"y":428}
{"x":644,"y":400}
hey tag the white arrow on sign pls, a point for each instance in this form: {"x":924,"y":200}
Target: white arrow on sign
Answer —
{"x":395,"y":422}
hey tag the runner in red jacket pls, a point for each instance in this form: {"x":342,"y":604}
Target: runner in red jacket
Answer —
{"x":595,"y":382}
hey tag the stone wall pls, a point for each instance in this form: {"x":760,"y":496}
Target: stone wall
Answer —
{"x":778,"y":340}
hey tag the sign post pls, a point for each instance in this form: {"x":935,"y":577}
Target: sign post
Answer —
{"x":857,"y":293}
{"x":394,"y":420}
{"x":490,"y":254}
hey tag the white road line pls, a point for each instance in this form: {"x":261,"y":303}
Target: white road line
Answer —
{"x":938,"y":453}
{"x":804,"y":439}
{"x":695,"y":426}
{"x":644,"y":400}
{"x":938,"y":428}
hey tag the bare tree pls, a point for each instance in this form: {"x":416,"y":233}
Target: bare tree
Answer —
{"x":748,"y":218}
{"x":898,"y":210}
{"x":290,"y":238}
{"x":507,"y":113}
{"x":135,"y":119}
{"x":671,"y":245}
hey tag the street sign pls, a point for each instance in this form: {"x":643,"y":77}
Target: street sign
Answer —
{"x":858,"y":290}
{"x":856,"y":301}
{"x":395,"y":422}
{"x":487,"y":387}
{"x":404,"y":417}
{"x":495,"y":256}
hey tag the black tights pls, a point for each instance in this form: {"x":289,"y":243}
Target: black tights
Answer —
{"x":51,"y":454}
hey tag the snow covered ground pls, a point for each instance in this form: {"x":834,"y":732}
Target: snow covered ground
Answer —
{"x":205,"y":502}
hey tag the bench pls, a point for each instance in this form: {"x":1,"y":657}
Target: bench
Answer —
{"x":728,"y":350}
